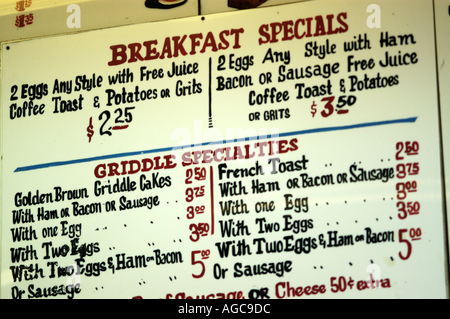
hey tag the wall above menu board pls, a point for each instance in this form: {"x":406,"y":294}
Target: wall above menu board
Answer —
{"x":288,"y":152}
{"x":27,"y":18}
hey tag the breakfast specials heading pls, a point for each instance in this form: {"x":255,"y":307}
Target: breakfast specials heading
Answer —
{"x":269,"y":33}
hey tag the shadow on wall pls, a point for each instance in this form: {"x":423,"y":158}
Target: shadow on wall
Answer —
{"x":245,"y":4}
{"x":169,"y":4}
{"x":164,"y":4}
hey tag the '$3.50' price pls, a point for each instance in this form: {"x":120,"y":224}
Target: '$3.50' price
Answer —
{"x":410,"y":208}
{"x":200,"y":229}
{"x":329,"y":109}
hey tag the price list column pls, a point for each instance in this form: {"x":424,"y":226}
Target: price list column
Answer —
{"x":200,"y":225}
{"x":407,"y":188}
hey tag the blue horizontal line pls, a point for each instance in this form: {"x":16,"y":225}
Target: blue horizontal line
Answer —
{"x":256,"y":138}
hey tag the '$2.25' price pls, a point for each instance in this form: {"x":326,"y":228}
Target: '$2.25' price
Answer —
{"x":121,"y":118}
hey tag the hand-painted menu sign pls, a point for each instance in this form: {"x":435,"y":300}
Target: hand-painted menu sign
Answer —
{"x":289,"y":152}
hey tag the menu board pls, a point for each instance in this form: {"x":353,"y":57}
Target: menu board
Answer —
{"x":285,"y":152}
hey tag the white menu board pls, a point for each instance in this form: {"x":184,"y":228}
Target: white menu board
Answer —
{"x":288,"y":152}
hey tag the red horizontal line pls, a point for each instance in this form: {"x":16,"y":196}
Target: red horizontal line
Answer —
{"x":211,"y":171}
{"x":119,"y":127}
